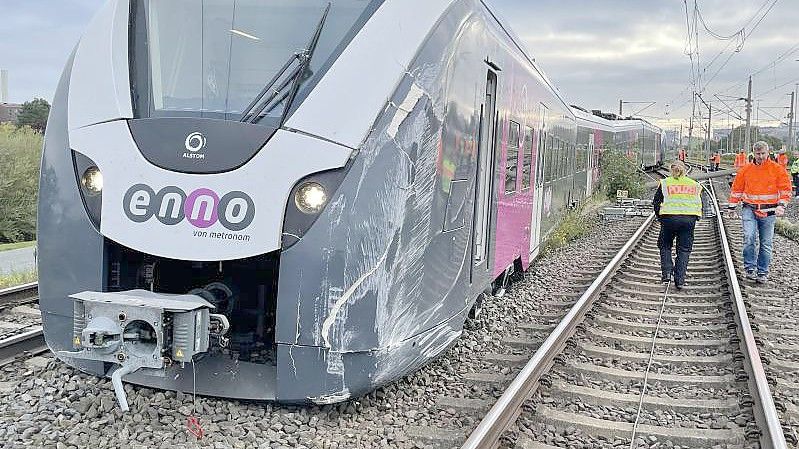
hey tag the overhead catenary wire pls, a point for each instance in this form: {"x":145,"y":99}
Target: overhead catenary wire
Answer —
{"x":692,"y":47}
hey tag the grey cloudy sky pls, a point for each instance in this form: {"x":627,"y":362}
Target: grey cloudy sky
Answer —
{"x":596,"y":51}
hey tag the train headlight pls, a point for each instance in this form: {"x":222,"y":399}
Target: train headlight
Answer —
{"x":92,"y":181}
{"x":310,"y":198}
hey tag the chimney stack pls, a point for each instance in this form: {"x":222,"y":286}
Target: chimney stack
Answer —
{"x":3,"y":86}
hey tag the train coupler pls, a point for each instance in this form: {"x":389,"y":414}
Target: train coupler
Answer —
{"x":142,"y":330}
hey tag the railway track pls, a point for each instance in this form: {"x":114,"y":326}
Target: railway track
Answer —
{"x":20,"y":323}
{"x":777,"y":337}
{"x":636,"y":364}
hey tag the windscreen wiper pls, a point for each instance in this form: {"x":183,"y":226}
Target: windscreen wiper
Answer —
{"x":263,"y":104}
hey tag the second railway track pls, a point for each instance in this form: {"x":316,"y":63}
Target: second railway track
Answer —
{"x":20,"y":323}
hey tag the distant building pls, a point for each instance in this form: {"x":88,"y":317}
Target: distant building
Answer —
{"x":9,"y":112}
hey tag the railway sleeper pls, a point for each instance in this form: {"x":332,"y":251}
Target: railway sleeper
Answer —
{"x":693,"y":438}
{"x":594,"y":396}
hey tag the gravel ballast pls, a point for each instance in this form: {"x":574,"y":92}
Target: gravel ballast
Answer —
{"x":44,"y":403}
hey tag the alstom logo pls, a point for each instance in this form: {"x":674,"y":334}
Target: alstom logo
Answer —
{"x":202,"y":207}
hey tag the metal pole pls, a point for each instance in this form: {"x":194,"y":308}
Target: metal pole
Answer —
{"x":621,"y":103}
{"x":748,"y":141}
{"x":709,"y":114}
{"x":790,"y":126}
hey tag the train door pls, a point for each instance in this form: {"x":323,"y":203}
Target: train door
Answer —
{"x":538,"y":186}
{"x":589,"y":169}
{"x":485,"y":175}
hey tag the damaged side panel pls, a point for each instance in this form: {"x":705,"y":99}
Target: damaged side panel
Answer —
{"x":380,"y":283}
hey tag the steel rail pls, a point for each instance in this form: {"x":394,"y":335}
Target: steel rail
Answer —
{"x":30,"y":342}
{"x":766,"y":416}
{"x":24,"y":288}
{"x":504,"y":412}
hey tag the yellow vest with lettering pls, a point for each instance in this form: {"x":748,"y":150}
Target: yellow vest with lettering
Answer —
{"x":681,"y":196}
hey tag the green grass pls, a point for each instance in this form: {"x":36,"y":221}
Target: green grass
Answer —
{"x":787,"y":229}
{"x":18,"y":278}
{"x":574,"y":225}
{"x":18,"y":245}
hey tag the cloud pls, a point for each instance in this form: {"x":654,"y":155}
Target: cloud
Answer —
{"x":595,"y":51}
{"x":36,"y":39}
{"x":598,"y":52}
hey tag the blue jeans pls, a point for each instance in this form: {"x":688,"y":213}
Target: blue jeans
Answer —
{"x":754,"y":226}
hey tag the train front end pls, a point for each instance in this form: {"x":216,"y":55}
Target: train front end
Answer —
{"x":171,"y":186}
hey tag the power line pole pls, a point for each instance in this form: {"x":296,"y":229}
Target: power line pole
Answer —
{"x":691,"y":123}
{"x":621,"y":103}
{"x":790,"y":126}
{"x":709,"y":115}
{"x":748,"y":141}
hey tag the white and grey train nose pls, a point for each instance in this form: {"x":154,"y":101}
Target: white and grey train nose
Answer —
{"x":138,"y":329}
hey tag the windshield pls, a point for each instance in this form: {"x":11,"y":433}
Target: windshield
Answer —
{"x":212,"y":58}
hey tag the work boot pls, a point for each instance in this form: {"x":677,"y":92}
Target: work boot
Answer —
{"x":750,"y":275}
{"x":762,"y":278}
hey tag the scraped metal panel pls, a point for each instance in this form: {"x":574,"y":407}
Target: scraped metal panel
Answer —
{"x":99,"y":88}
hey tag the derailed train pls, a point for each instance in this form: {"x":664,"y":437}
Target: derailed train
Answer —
{"x":297,"y":201}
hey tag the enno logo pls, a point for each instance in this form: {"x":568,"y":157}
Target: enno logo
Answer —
{"x":202,"y":207}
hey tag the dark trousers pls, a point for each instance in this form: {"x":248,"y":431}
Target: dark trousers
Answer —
{"x":796,"y":183}
{"x":681,"y":227}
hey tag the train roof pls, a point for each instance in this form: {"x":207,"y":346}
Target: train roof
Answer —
{"x":590,"y":119}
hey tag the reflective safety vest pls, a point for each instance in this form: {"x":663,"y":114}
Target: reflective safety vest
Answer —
{"x":681,"y":196}
{"x":740,"y":160}
{"x":795,"y":167}
{"x":782,"y":159}
{"x":761,"y":186}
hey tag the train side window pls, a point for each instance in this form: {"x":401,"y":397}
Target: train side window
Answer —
{"x":512,"y":158}
{"x":527,"y":158}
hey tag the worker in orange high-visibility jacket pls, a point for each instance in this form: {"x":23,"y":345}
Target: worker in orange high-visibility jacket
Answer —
{"x":716,"y":161}
{"x":782,"y":159}
{"x":740,"y":159}
{"x":764,"y":189}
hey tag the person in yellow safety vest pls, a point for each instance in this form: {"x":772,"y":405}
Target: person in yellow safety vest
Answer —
{"x":795,"y":172}
{"x":678,"y":205}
